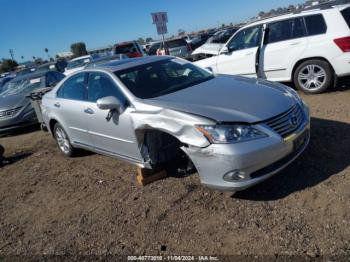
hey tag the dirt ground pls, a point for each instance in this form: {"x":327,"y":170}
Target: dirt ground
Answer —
{"x":91,"y":204}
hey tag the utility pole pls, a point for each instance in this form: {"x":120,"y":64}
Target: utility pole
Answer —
{"x":11,"y":53}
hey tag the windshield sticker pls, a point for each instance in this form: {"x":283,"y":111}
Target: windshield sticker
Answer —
{"x":86,"y":60}
{"x":35,"y":80}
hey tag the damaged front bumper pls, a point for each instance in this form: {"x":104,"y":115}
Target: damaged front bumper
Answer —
{"x":235,"y":167}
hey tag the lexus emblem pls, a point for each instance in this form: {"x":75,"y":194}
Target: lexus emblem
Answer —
{"x":293,"y":120}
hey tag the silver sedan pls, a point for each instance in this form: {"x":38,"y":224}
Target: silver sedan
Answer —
{"x":150,"y":111}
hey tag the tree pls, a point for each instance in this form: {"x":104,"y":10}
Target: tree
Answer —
{"x":181,"y":32}
{"x":34,"y":58}
{"x":223,"y":26}
{"x":38,"y":61}
{"x":78,"y":49}
{"x":149,"y":39}
{"x":141,"y":41}
{"x":8,"y":65}
{"x":261,"y":14}
{"x":47,"y":52}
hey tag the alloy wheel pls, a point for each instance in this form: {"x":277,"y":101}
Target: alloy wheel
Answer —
{"x":312,"y":77}
{"x":62,"y":140}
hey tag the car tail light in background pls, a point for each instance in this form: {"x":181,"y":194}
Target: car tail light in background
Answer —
{"x":343,"y":43}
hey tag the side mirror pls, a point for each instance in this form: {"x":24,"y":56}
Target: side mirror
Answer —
{"x":224,"y":50}
{"x":110,"y":103}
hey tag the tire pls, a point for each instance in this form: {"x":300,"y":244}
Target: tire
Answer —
{"x":313,"y":76}
{"x":62,"y":141}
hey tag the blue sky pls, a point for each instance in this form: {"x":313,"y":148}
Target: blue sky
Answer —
{"x":28,"y":26}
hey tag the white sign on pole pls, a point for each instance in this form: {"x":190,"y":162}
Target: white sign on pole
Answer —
{"x":160,"y":17}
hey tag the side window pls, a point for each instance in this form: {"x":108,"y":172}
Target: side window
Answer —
{"x":246,"y":38}
{"x":101,"y":85}
{"x":285,"y":30}
{"x":73,"y":88}
{"x":58,"y":76}
{"x":50,"y":79}
{"x":315,"y":24}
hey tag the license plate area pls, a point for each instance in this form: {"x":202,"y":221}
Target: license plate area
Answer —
{"x":301,"y":140}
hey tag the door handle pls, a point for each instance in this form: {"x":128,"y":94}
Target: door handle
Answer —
{"x":57,"y":104}
{"x":248,"y":54}
{"x":89,"y":111}
{"x":296,"y":43}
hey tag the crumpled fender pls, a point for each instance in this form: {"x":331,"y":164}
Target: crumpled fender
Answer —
{"x":175,"y":123}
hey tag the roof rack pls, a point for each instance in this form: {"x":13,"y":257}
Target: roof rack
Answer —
{"x":322,"y":6}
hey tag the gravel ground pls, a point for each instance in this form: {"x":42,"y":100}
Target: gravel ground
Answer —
{"x":91,"y":204}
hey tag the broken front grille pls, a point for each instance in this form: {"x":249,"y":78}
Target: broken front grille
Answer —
{"x":287,"y":122}
{"x":9,"y":113}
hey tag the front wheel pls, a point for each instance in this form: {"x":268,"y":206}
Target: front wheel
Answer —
{"x":63,"y":141}
{"x":313,"y":76}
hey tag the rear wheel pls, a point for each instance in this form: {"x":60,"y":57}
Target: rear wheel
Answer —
{"x":63,"y":141}
{"x":313,"y":76}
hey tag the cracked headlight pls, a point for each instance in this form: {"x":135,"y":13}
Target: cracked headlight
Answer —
{"x":228,"y":134}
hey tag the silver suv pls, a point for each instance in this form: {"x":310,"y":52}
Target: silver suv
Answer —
{"x":152,"y":110}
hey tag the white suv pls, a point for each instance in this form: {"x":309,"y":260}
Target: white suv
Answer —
{"x":311,"y":48}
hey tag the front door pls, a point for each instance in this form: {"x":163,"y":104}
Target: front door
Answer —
{"x":242,"y":55}
{"x":115,"y":136}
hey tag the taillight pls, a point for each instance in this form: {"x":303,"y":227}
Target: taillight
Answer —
{"x":343,"y":43}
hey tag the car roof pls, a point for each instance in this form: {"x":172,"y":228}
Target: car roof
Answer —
{"x":30,"y":76}
{"x":310,"y":11}
{"x":131,"y":62}
{"x":80,"y":57}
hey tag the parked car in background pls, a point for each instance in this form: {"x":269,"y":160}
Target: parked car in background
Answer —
{"x":58,"y":66}
{"x":15,"y":107}
{"x":4,"y":80}
{"x":104,"y":59}
{"x":154,"y":47}
{"x":77,"y":64}
{"x":175,"y":47}
{"x":149,"y":111}
{"x":131,"y":49}
{"x":199,"y":40}
{"x":26,"y":71}
{"x":213,"y":45}
{"x":310,"y":49}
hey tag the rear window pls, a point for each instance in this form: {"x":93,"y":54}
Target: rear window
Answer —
{"x":176,"y":43}
{"x":285,"y":30}
{"x":346,"y":14}
{"x":315,"y":24}
{"x":125,"y":49}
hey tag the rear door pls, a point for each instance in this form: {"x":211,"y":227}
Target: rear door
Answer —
{"x":243,"y":48}
{"x":284,"y":43}
{"x":117,"y":135}
{"x":70,"y":107}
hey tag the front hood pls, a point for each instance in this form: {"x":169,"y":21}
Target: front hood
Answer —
{"x":230,"y":99}
{"x":209,"y":49}
{"x":13,"y":101}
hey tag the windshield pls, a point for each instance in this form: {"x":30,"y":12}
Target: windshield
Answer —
{"x":162,"y":77}
{"x":175,"y":43}
{"x":78,"y":63}
{"x":24,"y":86}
